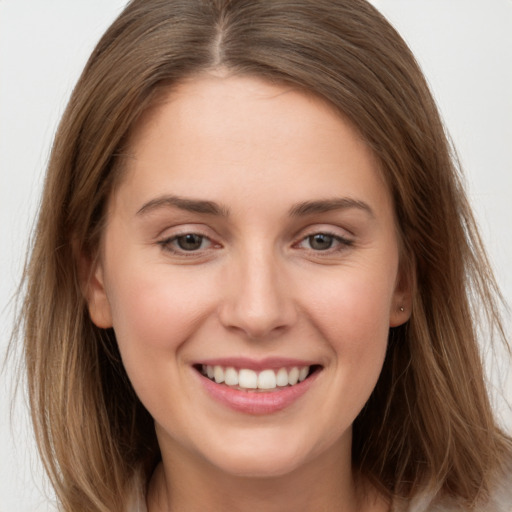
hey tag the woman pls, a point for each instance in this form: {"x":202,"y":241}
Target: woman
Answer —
{"x":259,"y":219}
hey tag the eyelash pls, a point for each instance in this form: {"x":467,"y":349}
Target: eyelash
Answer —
{"x":342,"y":242}
{"x":167,"y":243}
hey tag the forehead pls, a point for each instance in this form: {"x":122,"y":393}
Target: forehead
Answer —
{"x":212,"y":132}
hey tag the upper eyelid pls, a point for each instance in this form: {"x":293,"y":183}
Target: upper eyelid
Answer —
{"x":206,"y":232}
{"x":172,"y":238}
{"x":328,"y":229}
{"x":185,"y":229}
{"x":340,"y":239}
{"x":184,"y":233}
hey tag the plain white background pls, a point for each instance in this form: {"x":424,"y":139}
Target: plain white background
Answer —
{"x":464,"y":47}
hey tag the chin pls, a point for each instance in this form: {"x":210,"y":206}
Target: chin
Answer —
{"x":256,"y":466}
{"x":256,"y":459}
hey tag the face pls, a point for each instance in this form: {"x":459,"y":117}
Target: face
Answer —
{"x":250,"y":270}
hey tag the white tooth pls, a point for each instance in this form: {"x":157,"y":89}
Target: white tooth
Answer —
{"x":293,"y":376}
{"x":247,"y":379}
{"x":231,"y":377}
{"x":267,"y":379}
{"x":218,"y":374}
{"x":282,"y":377}
{"x":209,"y":371}
{"x":303,"y":373}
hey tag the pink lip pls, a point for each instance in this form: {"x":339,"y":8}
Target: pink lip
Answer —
{"x":269,"y":363}
{"x":257,"y":402}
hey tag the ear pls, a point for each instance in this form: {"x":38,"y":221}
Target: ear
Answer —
{"x":401,"y":305}
{"x":92,"y":283}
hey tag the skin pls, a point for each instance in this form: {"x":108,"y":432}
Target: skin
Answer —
{"x":256,"y":287}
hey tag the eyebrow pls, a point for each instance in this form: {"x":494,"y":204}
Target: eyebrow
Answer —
{"x":212,"y":208}
{"x":327,"y":205}
{"x":189,"y":205}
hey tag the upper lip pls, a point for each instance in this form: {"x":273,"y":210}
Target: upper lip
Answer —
{"x":268,"y":363}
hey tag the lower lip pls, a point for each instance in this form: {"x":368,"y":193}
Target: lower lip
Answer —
{"x":257,"y":402}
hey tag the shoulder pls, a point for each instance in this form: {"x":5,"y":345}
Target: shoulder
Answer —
{"x":499,"y":501}
{"x":502,"y":497}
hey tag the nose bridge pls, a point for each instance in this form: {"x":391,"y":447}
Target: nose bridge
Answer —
{"x":257,"y":301}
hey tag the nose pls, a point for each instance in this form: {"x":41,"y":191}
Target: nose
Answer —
{"x":257,"y":298}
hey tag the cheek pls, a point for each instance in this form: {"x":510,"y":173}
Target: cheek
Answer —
{"x":352,"y":313}
{"x":154,"y":315}
{"x":353,"y":308}
{"x":155,"y":312}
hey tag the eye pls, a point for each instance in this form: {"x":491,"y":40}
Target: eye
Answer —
{"x":189,"y":242}
{"x":186,"y":243}
{"x":320,"y":241}
{"x":324,"y":242}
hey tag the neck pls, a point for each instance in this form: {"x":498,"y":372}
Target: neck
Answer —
{"x":186,"y":482}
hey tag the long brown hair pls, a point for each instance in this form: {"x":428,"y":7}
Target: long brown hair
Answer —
{"x":428,"y":423}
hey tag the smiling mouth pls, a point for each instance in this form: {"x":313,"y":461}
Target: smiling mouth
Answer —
{"x":245,"y":379}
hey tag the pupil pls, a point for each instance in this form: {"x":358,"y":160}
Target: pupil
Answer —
{"x":320,"y":241}
{"x":190,"y":242}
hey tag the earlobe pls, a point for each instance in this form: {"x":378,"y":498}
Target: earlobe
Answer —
{"x":93,"y":288}
{"x":99,"y":306}
{"x":399,"y":314}
{"x":401,"y":306}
